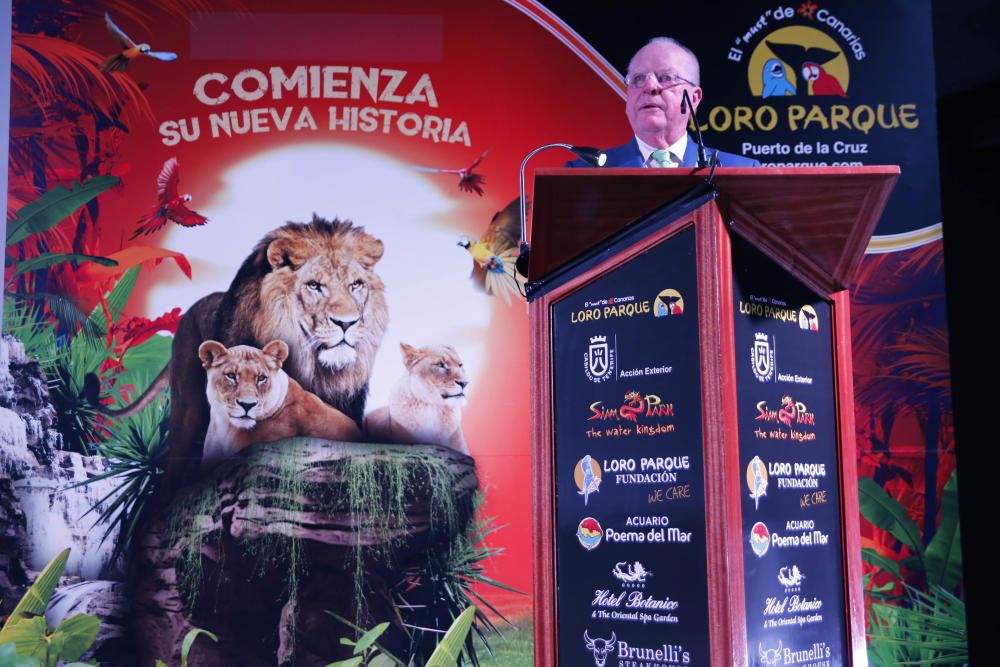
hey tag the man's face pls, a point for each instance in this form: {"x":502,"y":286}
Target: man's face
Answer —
{"x":653,"y":110}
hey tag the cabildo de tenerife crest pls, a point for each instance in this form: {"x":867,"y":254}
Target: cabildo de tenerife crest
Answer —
{"x":599,"y":364}
{"x":762,"y":358}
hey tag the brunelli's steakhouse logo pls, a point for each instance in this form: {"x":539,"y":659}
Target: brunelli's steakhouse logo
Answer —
{"x":600,"y":648}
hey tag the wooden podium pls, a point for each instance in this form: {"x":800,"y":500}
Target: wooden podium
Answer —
{"x":695,"y":490}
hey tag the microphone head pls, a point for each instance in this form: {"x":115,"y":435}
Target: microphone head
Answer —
{"x":521,"y":264}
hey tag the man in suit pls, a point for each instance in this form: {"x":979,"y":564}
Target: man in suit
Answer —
{"x":658,"y":74}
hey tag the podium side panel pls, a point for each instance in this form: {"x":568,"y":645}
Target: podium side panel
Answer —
{"x":792,"y":500}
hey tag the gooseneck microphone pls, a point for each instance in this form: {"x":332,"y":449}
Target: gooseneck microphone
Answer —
{"x":685,"y":105}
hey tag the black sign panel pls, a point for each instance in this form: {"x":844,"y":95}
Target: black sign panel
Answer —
{"x":803,"y":83}
{"x":792,"y":547}
{"x":629,"y":480}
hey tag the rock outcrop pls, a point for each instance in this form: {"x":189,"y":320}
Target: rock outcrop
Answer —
{"x":261,"y":550}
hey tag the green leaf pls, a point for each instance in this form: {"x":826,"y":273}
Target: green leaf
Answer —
{"x":28,"y":636}
{"x":369,"y":638}
{"x":944,"y":554}
{"x":396,"y":661}
{"x":350,"y":662}
{"x":875,"y":558}
{"x":77,"y":634}
{"x":447,"y":652}
{"x":886,"y":513}
{"x":51,"y":259}
{"x":37,"y":598}
{"x":145,"y":361}
{"x":189,"y":638}
{"x":55,"y":206}
{"x":160,"y":663}
{"x":54,"y":649}
{"x":10,"y":658}
{"x":347,"y":641}
{"x":381,"y":660}
{"x":117,"y":299}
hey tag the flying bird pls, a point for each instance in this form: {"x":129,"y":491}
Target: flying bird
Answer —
{"x":468,"y":180}
{"x":495,"y":254}
{"x":823,"y":83}
{"x":170,"y":205}
{"x":130,"y":50}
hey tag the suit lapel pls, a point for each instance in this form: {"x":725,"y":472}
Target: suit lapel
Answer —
{"x":690,"y":154}
{"x":628,"y":155}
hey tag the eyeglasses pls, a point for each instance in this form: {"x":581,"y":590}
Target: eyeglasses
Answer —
{"x":665,"y":79}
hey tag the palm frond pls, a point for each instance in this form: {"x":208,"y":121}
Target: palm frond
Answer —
{"x":136,"y":452}
{"x":921,"y":628}
{"x":47,"y":70}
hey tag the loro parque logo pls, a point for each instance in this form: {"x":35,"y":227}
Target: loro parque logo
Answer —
{"x":798,"y":63}
{"x":798,"y":60}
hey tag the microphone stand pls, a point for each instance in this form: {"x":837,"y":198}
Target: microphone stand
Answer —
{"x":687,"y":107}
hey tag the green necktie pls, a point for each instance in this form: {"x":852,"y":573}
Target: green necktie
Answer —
{"x":661,"y":158}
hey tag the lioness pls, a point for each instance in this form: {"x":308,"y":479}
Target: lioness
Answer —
{"x":253,"y":400}
{"x":311,"y":285}
{"x":425,"y":406}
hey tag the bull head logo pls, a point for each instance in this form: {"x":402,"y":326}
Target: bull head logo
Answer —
{"x":771,"y":656}
{"x":599,"y":647}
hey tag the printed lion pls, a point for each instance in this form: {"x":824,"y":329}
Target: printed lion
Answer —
{"x":310,"y":285}
{"x":252,"y":400}
{"x":425,"y":406}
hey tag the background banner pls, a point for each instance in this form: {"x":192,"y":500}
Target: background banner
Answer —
{"x":409,"y":122}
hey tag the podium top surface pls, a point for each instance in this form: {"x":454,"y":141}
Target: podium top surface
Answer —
{"x":815,"y":221}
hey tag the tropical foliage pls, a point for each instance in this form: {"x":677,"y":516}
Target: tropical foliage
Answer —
{"x":188,"y":642}
{"x":368,"y":653}
{"x":906,"y":453}
{"x":27,"y":640}
{"x":433,"y":597}
{"x":914,"y":616}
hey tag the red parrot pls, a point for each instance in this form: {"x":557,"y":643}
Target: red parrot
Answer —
{"x":130,"y":50}
{"x":822,"y":82}
{"x":467,"y":180}
{"x":170,"y":205}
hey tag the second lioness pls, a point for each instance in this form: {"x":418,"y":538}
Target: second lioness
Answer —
{"x":426,"y":404}
{"x":252,"y":400}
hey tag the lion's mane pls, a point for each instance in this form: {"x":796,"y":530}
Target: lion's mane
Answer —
{"x":311,"y":285}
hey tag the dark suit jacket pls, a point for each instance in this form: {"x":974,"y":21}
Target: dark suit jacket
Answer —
{"x":629,"y":155}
